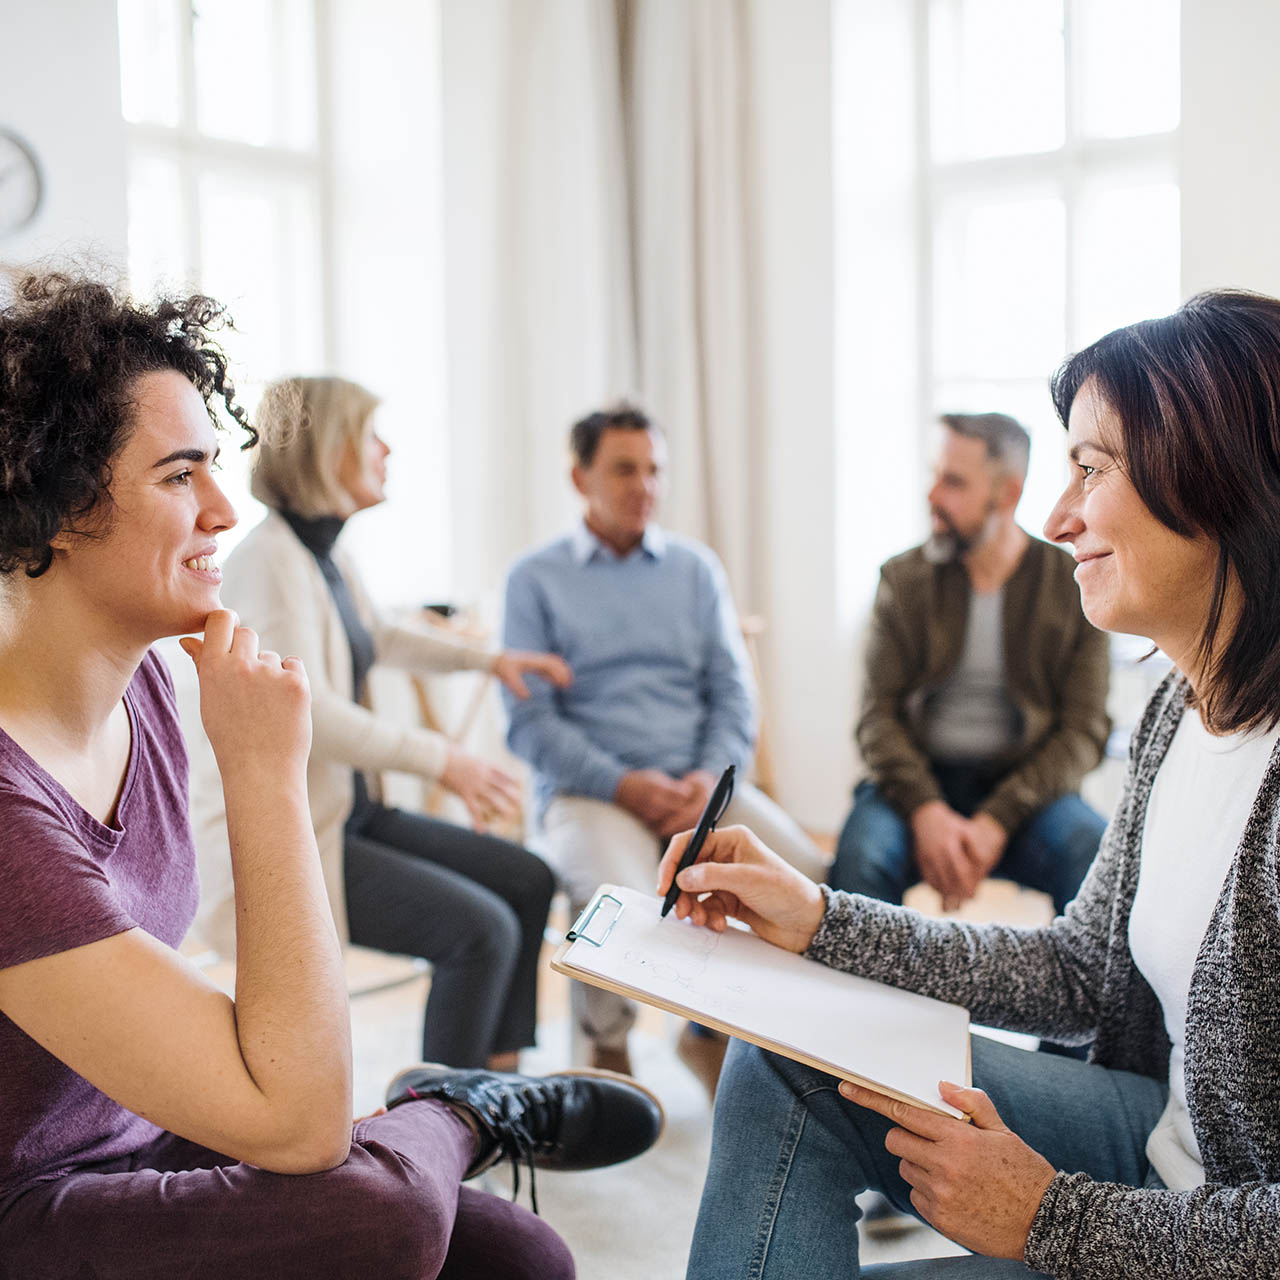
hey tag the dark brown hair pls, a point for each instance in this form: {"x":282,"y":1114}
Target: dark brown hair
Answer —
{"x":1197,"y":394}
{"x":584,"y":436}
{"x":70,"y":350}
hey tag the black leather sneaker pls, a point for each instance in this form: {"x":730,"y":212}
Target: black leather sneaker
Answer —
{"x":580,"y":1119}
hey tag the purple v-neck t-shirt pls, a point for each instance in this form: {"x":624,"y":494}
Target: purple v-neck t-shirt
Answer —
{"x":68,"y":881}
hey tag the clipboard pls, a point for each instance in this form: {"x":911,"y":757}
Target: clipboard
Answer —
{"x":896,"y":1042}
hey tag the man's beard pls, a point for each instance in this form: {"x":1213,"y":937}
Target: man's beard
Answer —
{"x":952,"y":545}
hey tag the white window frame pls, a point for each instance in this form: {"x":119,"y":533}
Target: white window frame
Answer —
{"x":190,"y":150}
{"x":1064,"y":171}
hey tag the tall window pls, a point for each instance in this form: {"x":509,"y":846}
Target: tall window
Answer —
{"x":228,"y":175}
{"x":1049,"y":196}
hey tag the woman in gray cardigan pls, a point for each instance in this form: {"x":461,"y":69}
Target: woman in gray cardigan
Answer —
{"x":1159,"y":1157}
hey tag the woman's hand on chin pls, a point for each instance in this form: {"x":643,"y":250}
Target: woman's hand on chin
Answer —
{"x":256,"y":706}
{"x":735,"y":875}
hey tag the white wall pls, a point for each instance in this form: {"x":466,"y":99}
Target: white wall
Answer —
{"x":807,"y":669}
{"x":60,"y":89}
{"x":1230,"y":139}
{"x":387,"y":279}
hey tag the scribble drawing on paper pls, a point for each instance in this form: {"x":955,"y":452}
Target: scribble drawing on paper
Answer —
{"x":686,"y":974}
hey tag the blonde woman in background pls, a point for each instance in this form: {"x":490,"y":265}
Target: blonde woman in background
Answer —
{"x":474,"y":905}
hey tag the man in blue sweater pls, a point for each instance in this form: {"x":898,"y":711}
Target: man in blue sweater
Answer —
{"x":662,"y":699}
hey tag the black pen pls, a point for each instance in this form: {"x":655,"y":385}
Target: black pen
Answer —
{"x":712,"y":814}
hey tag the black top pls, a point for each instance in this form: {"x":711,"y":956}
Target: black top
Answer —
{"x":318,"y":534}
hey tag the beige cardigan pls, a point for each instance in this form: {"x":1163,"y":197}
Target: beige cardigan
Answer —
{"x":273,"y":582}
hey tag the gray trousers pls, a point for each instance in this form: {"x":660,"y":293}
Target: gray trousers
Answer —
{"x":474,"y":905}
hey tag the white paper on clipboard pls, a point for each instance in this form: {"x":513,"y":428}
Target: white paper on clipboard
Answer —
{"x":895,"y":1040}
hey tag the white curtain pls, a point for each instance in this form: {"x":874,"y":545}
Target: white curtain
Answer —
{"x":603,"y":173}
{"x":538,"y":279}
{"x":687,"y":109}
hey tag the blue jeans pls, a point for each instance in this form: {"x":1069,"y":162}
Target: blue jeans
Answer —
{"x":789,"y":1155}
{"x":1050,"y":851}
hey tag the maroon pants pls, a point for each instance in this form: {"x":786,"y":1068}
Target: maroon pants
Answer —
{"x":395,"y":1210}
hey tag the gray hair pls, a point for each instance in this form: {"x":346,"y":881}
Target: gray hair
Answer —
{"x":305,"y":423}
{"x":1007,"y":441}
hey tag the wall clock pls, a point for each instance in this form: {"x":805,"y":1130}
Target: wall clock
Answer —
{"x":21,"y":183}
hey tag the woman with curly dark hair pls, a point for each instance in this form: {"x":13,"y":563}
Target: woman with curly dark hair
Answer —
{"x":149,"y":1124}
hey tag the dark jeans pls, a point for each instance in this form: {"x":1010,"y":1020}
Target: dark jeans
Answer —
{"x":474,"y":905}
{"x":393,"y":1211}
{"x":1051,"y":851}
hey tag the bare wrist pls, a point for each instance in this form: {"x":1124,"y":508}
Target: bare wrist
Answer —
{"x":265,"y":780}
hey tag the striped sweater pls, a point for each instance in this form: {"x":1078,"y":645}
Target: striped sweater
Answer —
{"x":1075,"y":981}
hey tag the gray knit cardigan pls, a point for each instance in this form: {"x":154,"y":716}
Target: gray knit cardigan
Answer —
{"x":1075,"y":981}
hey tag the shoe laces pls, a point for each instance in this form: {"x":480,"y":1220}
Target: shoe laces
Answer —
{"x":523,"y":1125}
{"x":508,"y":1125}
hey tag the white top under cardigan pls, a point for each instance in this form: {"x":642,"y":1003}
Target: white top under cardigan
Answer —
{"x":1199,"y":805}
{"x":274,"y":583}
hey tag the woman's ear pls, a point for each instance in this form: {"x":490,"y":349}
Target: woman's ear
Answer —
{"x":95,"y":524}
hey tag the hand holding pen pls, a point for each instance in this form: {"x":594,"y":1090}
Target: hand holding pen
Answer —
{"x":742,"y":878}
{"x":717,"y":803}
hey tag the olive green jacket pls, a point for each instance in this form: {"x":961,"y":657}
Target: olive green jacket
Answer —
{"x":1056,"y":668}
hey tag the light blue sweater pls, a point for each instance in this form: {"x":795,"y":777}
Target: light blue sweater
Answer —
{"x":661,"y":676}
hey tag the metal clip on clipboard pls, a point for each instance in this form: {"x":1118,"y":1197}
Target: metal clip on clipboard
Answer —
{"x":588,"y":917}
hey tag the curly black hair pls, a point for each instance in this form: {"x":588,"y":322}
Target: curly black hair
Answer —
{"x":70,"y":350}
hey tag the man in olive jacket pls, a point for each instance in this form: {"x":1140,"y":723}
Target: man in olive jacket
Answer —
{"x":985,"y":696}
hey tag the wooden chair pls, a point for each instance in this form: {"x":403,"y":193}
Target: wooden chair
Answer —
{"x":753,"y":626}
